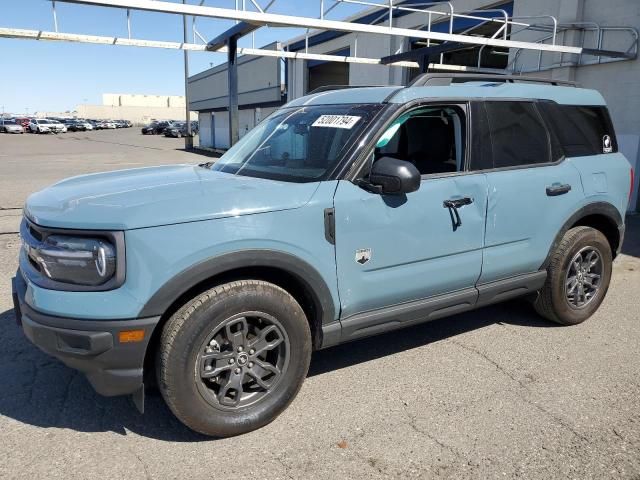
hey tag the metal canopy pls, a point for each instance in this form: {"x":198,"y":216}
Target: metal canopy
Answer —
{"x":273,"y":19}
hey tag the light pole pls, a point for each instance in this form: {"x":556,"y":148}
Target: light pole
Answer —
{"x":188,"y":140}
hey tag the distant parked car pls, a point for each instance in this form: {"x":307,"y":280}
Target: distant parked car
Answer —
{"x":149,"y":129}
{"x":24,"y":121}
{"x":74,"y":125}
{"x":57,"y":126}
{"x":156,"y":128}
{"x":107,"y":125}
{"x":162,"y":126}
{"x":11,"y":126}
{"x":87,"y":125}
{"x":177,"y":130}
{"x":42,"y":125}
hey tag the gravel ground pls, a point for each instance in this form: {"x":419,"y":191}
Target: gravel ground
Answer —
{"x":496,"y":393}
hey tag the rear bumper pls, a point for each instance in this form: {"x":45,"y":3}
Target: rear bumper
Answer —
{"x":90,"y":346}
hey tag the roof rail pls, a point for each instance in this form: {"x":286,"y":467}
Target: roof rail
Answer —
{"x":446,"y":79}
{"x":327,"y":88}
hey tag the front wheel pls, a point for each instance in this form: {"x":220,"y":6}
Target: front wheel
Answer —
{"x":232,"y":359}
{"x":578,"y":277}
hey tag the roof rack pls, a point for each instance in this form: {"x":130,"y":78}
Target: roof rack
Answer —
{"x":327,"y":88}
{"x":446,"y":79}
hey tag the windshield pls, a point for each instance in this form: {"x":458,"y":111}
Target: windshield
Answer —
{"x":300,"y":144}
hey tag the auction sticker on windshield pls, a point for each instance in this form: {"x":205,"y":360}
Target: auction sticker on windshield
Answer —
{"x":336,"y":121}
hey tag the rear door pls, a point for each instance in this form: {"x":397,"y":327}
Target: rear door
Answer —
{"x":533,"y":189}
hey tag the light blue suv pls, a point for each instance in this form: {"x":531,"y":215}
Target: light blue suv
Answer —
{"x":346,"y":213}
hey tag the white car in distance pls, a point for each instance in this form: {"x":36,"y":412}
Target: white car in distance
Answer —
{"x":42,"y":125}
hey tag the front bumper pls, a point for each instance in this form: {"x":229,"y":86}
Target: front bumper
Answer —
{"x":90,"y":346}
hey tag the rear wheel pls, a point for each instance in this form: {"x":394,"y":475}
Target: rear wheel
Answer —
{"x":578,"y":277}
{"x":233,"y":358}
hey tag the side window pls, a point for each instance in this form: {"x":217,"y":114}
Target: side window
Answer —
{"x":581,"y":130}
{"x":518,"y":135}
{"x":432,"y":138}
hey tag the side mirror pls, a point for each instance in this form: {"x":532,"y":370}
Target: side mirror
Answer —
{"x":391,"y":176}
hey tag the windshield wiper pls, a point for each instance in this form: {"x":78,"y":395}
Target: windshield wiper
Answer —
{"x":206,"y":164}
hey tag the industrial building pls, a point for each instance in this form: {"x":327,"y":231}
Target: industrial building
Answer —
{"x":267,"y":82}
{"x":137,"y":108}
{"x":260,"y":87}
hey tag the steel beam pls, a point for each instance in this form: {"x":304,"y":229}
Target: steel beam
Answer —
{"x":188,"y":140}
{"x":239,"y":30}
{"x":314,"y":23}
{"x":131,"y":42}
{"x":232,"y":75}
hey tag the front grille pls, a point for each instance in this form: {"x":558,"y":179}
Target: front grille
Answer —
{"x":35,"y":233}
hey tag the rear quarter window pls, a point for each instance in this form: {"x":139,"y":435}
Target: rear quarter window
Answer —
{"x":580,"y":130}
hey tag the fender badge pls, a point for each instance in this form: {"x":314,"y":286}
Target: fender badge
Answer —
{"x":363,"y":255}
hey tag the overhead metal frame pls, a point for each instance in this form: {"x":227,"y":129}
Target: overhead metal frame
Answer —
{"x":248,"y":21}
{"x":272,"y":19}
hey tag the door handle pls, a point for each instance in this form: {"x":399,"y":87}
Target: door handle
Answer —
{"x":557,"y":189}
{"x":457,"y":202}
{"x":453,"y":204}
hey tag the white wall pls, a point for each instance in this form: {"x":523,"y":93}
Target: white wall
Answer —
{"x":205,"y":134}
{"x":221,"y":129}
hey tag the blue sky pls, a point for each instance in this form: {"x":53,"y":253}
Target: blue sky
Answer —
{"x":52,"y":76}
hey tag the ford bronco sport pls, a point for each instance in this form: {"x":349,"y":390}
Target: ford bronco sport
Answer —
{"x":346,"y":213}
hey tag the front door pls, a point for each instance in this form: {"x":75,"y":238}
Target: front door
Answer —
{"x":393,"y":250}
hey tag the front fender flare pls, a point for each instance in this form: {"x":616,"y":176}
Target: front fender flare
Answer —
{"x":173,"y":289}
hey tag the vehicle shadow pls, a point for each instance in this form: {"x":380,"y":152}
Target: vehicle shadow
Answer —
{"x":631,"y":245}
{"x":40,"y":391}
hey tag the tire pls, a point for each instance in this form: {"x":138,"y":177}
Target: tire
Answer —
{"x":212,"y":406}
{"x":560,"y":299}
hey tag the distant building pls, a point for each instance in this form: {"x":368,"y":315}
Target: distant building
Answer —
{"x":137,"y":108}
{"x":260,"y":92}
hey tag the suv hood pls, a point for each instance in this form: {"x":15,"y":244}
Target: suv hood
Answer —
{"x":147,"y":197}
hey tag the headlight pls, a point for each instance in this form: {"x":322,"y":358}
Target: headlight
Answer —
{"x":75,"y":260}
{"x":72,"y":260}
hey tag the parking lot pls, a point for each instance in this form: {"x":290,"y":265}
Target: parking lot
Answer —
{"x":496,"y":393}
